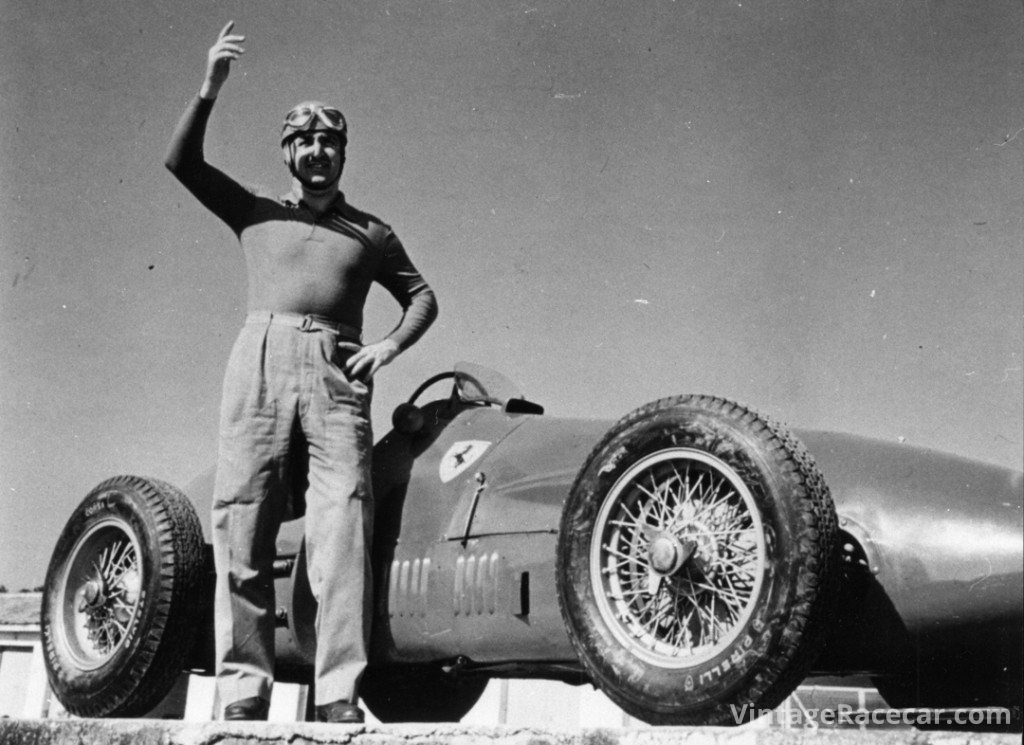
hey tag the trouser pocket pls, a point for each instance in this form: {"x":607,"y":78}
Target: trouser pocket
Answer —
{"x":339,"y":384}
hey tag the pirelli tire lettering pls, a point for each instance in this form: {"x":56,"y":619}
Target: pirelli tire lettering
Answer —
{"x":98,"y":506}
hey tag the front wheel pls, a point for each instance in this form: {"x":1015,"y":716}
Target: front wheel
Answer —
{"x":122,"y":598}
{"x":696,"y":563}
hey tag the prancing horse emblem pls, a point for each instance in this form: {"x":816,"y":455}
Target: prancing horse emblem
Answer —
{"x":459,"y":457}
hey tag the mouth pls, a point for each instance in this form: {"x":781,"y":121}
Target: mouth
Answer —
{"x":318,"y":170}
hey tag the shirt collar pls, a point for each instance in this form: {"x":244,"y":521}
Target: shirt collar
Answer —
{"x":294,"y":198}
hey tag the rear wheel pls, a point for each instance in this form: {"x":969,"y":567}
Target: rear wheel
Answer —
{"x":122,"y":598}
{"x":696,"y":563}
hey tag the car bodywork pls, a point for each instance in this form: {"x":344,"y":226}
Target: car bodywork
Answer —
{"x":468,"y":512}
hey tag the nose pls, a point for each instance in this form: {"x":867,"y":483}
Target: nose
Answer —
{"x":318,"y":146}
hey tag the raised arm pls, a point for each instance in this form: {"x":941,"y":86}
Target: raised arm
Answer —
{"x":220,"y":193}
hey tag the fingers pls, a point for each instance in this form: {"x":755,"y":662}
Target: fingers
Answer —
{"x":356,"y":359}
{"x":227,"y":40}
{"x":227,"y":51}
{"x":363,"y":364}
{"x":363,"y":369}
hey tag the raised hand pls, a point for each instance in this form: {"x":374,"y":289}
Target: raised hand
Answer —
{"x":227,"y":49}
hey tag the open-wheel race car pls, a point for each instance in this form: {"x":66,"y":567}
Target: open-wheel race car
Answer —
{"x":694,"y":560}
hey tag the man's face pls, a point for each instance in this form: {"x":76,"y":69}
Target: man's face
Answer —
{"x":319,"y":157}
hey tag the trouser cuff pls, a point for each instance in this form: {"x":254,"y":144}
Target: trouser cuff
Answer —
{"x":233,"y":689}
{"x":341,"y":684}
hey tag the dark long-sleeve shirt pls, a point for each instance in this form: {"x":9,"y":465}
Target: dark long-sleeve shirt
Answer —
{"x":299,"y":261}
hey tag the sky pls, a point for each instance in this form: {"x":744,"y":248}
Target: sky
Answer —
{"x":812,"y":208}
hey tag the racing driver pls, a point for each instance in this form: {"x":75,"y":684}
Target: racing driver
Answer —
{"x":296,"y":396}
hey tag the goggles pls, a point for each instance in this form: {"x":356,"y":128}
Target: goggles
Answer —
{"x":313,"y":117}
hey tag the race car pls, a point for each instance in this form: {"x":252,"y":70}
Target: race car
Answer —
{"x":694,"y":560}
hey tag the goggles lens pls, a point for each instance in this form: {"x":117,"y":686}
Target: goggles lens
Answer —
{"x":303,"y":115}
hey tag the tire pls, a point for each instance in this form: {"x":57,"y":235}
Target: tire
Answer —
{"x":674,"y":623}
{"x":419,"y":693}
{"x":123,"y":598}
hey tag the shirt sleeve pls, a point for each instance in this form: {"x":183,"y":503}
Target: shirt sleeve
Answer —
{"x":218,"y":192}
{"x":399,"y":277}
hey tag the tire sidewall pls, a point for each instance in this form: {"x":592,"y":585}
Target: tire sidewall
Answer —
{"x":123,"y":503}
{"x":630,"y":680}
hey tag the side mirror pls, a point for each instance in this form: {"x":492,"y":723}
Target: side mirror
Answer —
{"x":407,"y":419}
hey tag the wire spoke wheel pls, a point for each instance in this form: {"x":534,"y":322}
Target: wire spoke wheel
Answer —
{"x":677,"y":557}
{"x":99,"y":592}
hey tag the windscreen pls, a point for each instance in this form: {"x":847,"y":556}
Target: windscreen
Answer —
{"x":479,"y":384}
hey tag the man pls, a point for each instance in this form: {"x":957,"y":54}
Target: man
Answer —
{"x":297,"y":396}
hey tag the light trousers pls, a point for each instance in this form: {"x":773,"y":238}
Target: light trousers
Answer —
{"x":290,"y":415}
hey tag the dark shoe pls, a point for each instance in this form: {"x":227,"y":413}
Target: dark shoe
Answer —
{"x":253,"y":709}
{"x":339,"y":712}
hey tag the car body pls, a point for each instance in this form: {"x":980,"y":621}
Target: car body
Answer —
{"x":469,"y":510}
{"x":915,"y":575}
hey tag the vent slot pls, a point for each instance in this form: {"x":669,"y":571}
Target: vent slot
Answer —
{"x":521,"y":595}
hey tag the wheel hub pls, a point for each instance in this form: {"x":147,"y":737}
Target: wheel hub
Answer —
{"x":93,"y":594}
{"x":668,"y":554}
